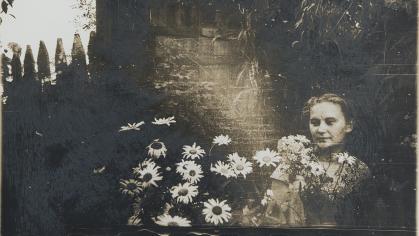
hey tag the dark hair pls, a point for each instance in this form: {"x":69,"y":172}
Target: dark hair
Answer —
{"x":333,"y":98}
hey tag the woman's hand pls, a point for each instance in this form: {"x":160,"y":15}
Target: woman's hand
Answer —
{"x":286,"y":207}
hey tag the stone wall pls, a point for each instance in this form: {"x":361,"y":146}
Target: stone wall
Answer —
{"x":225,"y":93}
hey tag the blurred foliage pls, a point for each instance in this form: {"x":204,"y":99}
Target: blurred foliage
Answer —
{"x":321,"y":20}
{"x":87,"y":16}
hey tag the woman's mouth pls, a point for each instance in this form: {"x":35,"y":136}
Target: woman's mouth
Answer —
{"x":323,"y":139}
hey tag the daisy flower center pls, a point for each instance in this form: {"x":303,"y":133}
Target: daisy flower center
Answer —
{"x":239,"y":167}
{"x":193,"y":151}
{"x":156,"y":145}
{"x":266,"y":158}
{"x":172,"y":223}
{"x":192,"y":173}
{"x":183,"y":192}
{"x":217,"y":210}
{"x":147,"y":177}
{"x":131,"y":186}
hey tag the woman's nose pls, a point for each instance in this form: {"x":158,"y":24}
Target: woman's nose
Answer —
{"x":322,"y":128}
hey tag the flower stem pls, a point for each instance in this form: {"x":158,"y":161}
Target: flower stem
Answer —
{"x":209,"y":152}
{"x":339,"y":177}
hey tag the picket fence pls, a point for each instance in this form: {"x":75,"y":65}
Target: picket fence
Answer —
{"x":13,"y":70}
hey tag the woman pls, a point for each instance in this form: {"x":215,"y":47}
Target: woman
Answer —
{"x":330,"y":121}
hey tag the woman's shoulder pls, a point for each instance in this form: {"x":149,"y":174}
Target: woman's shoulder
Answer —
{"x":357,"y":169}
{"x":361,"y":168}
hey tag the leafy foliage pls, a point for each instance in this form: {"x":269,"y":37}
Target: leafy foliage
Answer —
{"x":5,"y":5}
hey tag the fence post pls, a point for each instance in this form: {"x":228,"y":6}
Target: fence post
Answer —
{"x":44,"y":70}
{"x":29,"y":64}
{"x":60,"y":58}
{"x":91,"y":50}
{"x":92,"y":53}
{"x":78,"y":59}
{"x":16,"y":67}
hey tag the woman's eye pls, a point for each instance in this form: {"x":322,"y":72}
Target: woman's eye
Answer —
{"x":330,"y":121}
{"x":315,"y":122}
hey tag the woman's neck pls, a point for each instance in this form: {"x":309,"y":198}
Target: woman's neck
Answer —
{"x":327,"y":153}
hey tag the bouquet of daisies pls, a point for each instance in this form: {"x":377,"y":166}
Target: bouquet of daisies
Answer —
{"x":296,"y":159}
{"x":296,"y":165}
{"x":303,"y":171}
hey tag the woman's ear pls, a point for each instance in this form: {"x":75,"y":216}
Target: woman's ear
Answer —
{"x":349,"y":126}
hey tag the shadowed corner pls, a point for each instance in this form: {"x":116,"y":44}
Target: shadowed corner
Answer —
{"x":1,"y":148}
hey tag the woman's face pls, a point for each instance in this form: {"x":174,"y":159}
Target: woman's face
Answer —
{"x":328,"y":126}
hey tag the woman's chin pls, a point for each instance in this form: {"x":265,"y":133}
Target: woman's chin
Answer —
{"x":329,"y":147}
{"x":324,"y":146}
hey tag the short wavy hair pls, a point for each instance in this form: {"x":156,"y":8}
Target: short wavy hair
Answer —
{"x":333,"y":98}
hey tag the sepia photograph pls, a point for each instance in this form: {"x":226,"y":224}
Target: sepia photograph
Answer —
{"x":208,"y":117}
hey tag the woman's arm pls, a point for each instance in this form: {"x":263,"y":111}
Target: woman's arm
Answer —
{"x":274,"y":212}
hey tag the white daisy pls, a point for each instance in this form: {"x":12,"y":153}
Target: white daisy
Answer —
{"x":266,"y":157}
{"x":164,"y":121}
{"x":269,"y":193}
{"x":184,"y":192}
{"x":167,"y":207}
{"x":305,"y":160}
{"x":99,"y":170}
{"x":142,"y":165}
{"x":306,"y":151}
{"x":267,"y":197}
{"x":223,"y":169}
{"x":345,"y":158}
{"x":216,"y":212}
{"x":150,"y":175}
{"x":130,"y":187}
{"x":157,"y":149}
{"x":293,"y":144}
{"x":293,"y":157}
{"x":193,"y":151}
{"x":221,"y":140}
{"x":192,"y":173}
{"x":316,"y":169}
{"x":264,"y":201}
{"x":241,"y":166}
{"x":167,"y":220}
{"x":301,"y":138}
{"x":133,"y":126}
{"x":233,"y":156}
{"x":181,"y":166}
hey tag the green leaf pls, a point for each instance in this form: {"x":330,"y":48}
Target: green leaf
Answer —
{"x":4,"y":6}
